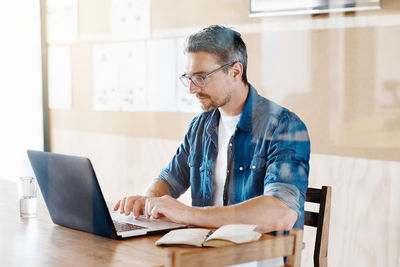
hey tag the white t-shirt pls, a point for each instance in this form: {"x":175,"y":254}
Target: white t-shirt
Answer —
{"x":227,"y":125}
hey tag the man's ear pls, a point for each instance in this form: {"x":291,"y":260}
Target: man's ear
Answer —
{"x":237,"y":70}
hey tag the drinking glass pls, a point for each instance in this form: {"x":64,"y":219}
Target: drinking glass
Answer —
{"x":27,"y":193}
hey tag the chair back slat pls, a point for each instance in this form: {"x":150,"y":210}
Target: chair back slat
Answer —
{"x":313,"y":195}
{"x":319,"y":220}
{"x":311,"y":218}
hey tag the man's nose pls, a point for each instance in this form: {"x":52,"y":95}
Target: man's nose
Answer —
{"x":193,"y":89}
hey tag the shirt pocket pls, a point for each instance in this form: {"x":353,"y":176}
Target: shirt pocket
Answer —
{"x":197,"y":168}
{"x":241,"y":166}
{"x":252,"y":181}
{"x":194,"y":160}
{"x":196,"y":164}
{"x":254,"y":164}
{"x":257,"y":164}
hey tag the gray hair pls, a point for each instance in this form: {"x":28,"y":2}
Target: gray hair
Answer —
{"x":222,"y":42}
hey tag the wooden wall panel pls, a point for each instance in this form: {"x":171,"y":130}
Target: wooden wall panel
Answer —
{"x":364,"y":227}
{"x":183,"y":13}
{"x":124,"y":165}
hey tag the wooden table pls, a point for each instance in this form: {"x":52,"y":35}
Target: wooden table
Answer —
{"x":39,"y":242}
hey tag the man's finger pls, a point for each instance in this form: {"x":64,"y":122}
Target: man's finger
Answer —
{"x":138,"y":207}
{"x":116,"y":206}
{"x":122,"y":207}
{"x":154,"y":212}
{"x":129,"y":204}
{"x":147,"y":208}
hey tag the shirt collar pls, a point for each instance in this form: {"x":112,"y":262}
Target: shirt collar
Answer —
{"x":213,"y":123}
{"x":246,"y":119}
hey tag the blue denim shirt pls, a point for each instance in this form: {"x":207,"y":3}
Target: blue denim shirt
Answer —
{"x":268,"y":154}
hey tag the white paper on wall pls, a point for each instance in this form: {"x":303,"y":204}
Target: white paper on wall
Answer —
{"x":105,"y":77}
{"x":130,"y":19}
{"x":186,"y":102}
{"x":62,"y":21}
{"x":162,"y":75}
{"x":132,"y":76}
{"x":59,"y":77}
{"x":141,"y":76}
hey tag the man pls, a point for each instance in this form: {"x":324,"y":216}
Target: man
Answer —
{"x":245,"y":158}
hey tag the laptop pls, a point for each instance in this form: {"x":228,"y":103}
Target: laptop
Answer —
{"x":74,"y":199}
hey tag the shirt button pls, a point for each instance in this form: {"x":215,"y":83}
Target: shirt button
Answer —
{"x":200,"y":168}
{"x":253,"y":167}
{"x":230,"y":144}
{"x":227,"y":171}
{"x":241,"y":168}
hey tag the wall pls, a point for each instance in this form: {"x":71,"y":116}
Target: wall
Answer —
{"x":338,"y":72}
{"x":21,"y":116}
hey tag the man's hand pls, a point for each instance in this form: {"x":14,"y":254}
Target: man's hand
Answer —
{"x":169,"y":207}
{"x":136,"y":204}
{"x":131,"y":204}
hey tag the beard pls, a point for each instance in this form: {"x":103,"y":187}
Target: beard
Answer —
{"x":208,"y":103}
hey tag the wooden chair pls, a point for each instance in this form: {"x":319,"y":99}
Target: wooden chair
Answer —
{"x":319,"y":220}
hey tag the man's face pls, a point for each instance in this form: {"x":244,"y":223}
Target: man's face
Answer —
{"x":216,"y":93}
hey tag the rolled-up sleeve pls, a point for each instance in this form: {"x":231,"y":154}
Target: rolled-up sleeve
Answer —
{"x":176,"y":186}
{"x":177,"y":174}
{"x":288,"y":163}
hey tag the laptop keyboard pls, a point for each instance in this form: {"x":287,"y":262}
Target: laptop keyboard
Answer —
{"x":124,"y":227}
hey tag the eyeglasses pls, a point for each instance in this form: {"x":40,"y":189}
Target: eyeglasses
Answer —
{"x":198,"y":80}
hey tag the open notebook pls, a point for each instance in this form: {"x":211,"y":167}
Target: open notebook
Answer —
{"x":199,"y":237}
